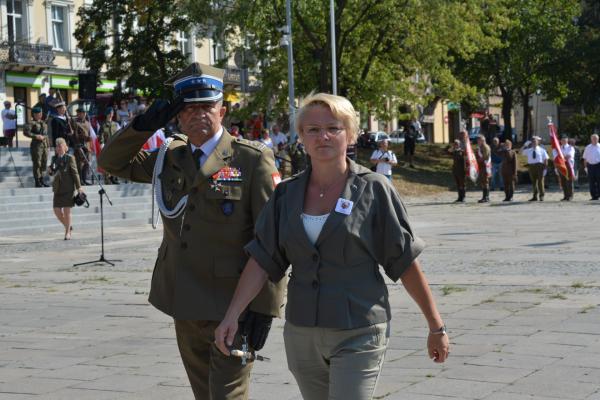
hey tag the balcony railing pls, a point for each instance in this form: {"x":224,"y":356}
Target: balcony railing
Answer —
{"x":27,"y":54}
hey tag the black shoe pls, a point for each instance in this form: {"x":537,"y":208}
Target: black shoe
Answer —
{"x":44,"y":184}
{"x":38,"y":184}
{"x":533,"y":199}
{"x":484,"y":200}
{"x":565,"y":199}
{"x":594,"y":198}
{"x":541,"y":199}
{"x":506,"y":199}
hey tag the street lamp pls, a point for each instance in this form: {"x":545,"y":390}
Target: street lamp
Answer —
{"x":333,"y":49}
{"x":286,"y":41}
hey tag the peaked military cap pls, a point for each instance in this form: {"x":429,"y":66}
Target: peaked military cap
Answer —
{"x":198,"y":83}
{"x":36,"y":110}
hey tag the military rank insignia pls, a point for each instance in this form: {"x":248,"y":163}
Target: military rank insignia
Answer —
{"x":225,"y":174}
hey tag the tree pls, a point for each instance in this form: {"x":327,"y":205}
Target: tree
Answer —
{"x":528,"y":57}
{"x":382,"y":47}
{"x":134,"y":40}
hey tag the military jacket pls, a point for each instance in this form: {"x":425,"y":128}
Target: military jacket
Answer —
{"x":66,"y":177}
{"x":109,"y":128}
{"x":35,"y":128}
{"x":82,"y":134}
{"x":336,"y":283}
{"x":202,"y":252}
{"x":458,"y":164}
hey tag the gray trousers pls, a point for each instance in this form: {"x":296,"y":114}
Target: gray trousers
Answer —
{"x":336,"y":364}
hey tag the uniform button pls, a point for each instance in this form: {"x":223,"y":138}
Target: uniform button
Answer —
{"x":184,"y":245}
{"x":187,"y":227}
{"x":194,"y":190}
{"x":315,"y":257}
{"x":191,"y":207}
{"x":315,"y":284}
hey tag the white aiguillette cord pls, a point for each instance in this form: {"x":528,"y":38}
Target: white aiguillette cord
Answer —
{"x":157,"y":189}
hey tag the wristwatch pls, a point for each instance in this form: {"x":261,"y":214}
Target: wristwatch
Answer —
{"x":441,"y":331}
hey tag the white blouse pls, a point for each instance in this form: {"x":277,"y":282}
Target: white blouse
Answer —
{"x":313,"y":224}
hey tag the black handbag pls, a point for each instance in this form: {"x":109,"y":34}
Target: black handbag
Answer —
{"x":81,"y":199}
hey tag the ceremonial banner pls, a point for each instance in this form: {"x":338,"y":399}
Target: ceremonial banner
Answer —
{"x":560,"y":163}
{"x":471,"y":166}
{"x":155,"y":141}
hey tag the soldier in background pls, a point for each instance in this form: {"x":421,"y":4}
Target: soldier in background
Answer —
{"x":484,"y":162}
{"x":107,"y":131}
{"x":37,"y":130}
{"x":298,"y":156}
{"x":82,"y":145}
{"x":508,"y":169}
{"x":283,"y":161}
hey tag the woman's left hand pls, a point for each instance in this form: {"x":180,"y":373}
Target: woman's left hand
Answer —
{"x":438,"y":347}
{"x":80,"y":190}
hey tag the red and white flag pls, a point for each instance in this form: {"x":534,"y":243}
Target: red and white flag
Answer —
{"x":471,"y":167}
{"x":560,"y":163}
{"x":155,"y":141}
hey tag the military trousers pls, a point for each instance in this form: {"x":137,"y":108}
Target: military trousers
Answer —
{"x":39,"y":158}
{"x":459,"y":178}
{"x":212,"y":375}
{"x":336,"y":364}
{"x":536,"y":173}
{"x":509,"y":184}
{"x":567,"y":186}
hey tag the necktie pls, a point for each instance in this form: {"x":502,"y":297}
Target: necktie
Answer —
{"x":196,"y":155}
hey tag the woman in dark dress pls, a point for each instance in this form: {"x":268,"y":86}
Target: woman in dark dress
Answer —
{"x":66,"y":182}
{"x":508,"y":169}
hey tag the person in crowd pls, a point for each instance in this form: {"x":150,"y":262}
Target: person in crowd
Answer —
{"x":37,"y":130}
{"x":566,"y":182}
{"x":65,"y":184}
{"x":591,"y":160}
{"x":283,"y":161}
{"x":337,"y":320}
{"x":508,"y":169}
{"x":9,"y":122}
{"x":82,"y":145}
{"x":483,"y":156}
{"x":213,"y":188}
{"x":410,"y":143}
{"x":265,"y":139}
{"x":51,"y":101}
{"x":384,"y":159}
{"x":278,"y":137}
{"x":235,"y":131}
{"x":298,"y":156}
{"x":60,"y":125}
{"x":576,"y":161}
{"x":496,"y":182}
{"x":42,"y":105}
{"x":537,"y":162}
{"x":141,"y":107}
{"x":458,"y":167}
{"x":107,"y":130}
{"x":123,"y":113}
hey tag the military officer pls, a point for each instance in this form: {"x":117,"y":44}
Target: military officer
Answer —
{"x":484,"y":162}
{"x":107,"y":131}
{"x":37,"y":130}
{"x":458,"y":168}
{"x":82,"y":145}
{"x":211,"y":188}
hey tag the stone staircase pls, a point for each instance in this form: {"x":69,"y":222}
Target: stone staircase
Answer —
{"x":26,"y":209}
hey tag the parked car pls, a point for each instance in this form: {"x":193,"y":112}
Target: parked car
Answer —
{"x":376,"y":137}
{"x":363,"y":139}
{"x":397,"y":136}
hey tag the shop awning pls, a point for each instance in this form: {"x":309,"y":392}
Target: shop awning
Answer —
{"x":106,"y":85}
{"x":24,"y":79}
{"x":64,"y":82}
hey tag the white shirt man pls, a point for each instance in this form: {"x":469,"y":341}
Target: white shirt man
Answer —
{"x":9,"y":118}
{"x":384,"y":159}
{"x":591,"y":154}
{"x":591,"y":158}
{"x":278,"y":137}
{"x":535,"y":154}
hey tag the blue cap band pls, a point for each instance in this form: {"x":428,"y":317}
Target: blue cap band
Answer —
{"x":198,"y":83}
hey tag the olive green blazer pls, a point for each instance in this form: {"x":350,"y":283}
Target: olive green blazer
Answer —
{"x":337,"y":283}
{"x":66,"y":177}
{"x":202,"y":253}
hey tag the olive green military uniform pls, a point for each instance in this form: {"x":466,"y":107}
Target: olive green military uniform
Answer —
{"x":483,"y":155}
{"x":109,"y":128}
{"x":81,"y":143}
{"x":298,"y":157}
{"x":285,"y":163}
{"x":458,"y":171}
{"x":509,"y":171}
{"x":66,"y":180}
{"x":38,"y":132}
{"x":202,"y":252}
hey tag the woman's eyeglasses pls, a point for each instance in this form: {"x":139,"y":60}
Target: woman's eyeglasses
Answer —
{"x":316,"y":130}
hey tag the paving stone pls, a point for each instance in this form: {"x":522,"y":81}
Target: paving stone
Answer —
{"x":33,"y":385}
{"x":483,"y":373}
{"x":120,"y":383}
{"x":465,"y":389}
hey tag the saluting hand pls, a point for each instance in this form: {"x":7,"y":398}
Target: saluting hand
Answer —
{"x":438,"y":347}
{"x":225,"y":333}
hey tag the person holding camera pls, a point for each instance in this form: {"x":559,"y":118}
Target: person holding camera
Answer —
{"x":384,"y":159}
{"x":212,"y":188}
{"x":335,"y":224}
{"x":65,"y":183}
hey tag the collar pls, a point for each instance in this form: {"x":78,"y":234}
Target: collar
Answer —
{"x":209,"y":146}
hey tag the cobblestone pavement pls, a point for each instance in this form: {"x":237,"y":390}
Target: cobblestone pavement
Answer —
{"x":518,"y":285}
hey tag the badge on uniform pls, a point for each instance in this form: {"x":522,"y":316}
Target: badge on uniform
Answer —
{"x":344,"y":206}
{"x":227,"y":207}
{"x":225,"y":174}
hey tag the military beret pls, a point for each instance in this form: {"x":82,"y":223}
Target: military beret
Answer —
{"x":198,"y":83}
{"x":108,"y":110}
{"x":79,"y":109}
{"x":36,"y":110}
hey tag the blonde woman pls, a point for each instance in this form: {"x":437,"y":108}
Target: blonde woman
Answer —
{"x":335,"y":224}
{"x":65,"y":183}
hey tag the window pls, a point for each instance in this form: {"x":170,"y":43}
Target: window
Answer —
{"x":184,"y":44}
{"x":59,"y":26}
{"x":14,"y":13}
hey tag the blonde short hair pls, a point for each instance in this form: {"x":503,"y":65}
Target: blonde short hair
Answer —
{"x":60,"y":141}
{"x":340,"y":107}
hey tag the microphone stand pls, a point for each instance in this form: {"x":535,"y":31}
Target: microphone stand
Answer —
{"x":102,"y":193}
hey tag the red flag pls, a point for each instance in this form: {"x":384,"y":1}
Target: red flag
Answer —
{"x":471,"y":166}
{"x":560,"y":163}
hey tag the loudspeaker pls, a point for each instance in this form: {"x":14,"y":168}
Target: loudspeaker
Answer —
{"x":87,"y":86}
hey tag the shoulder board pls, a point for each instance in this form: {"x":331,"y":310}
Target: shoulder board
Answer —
{"x":179,"y":139}
{"x":253,"y":144}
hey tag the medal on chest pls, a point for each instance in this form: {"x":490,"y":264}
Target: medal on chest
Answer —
{"x":225,"y":174}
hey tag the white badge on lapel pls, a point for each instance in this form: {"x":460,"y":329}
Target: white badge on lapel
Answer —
{"x":344,"y":206}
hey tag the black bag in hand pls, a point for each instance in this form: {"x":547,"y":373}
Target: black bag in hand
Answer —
{"x":81,"y":199}
{"x":256,"y":328}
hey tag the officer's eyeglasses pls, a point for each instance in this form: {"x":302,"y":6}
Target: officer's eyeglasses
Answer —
{"x":317,"y":131}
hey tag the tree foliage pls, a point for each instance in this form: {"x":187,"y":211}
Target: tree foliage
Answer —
{"x":134,"y":40}
{"x":381,"y":47}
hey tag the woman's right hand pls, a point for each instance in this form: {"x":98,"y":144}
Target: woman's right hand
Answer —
{"x":225,"y":333}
